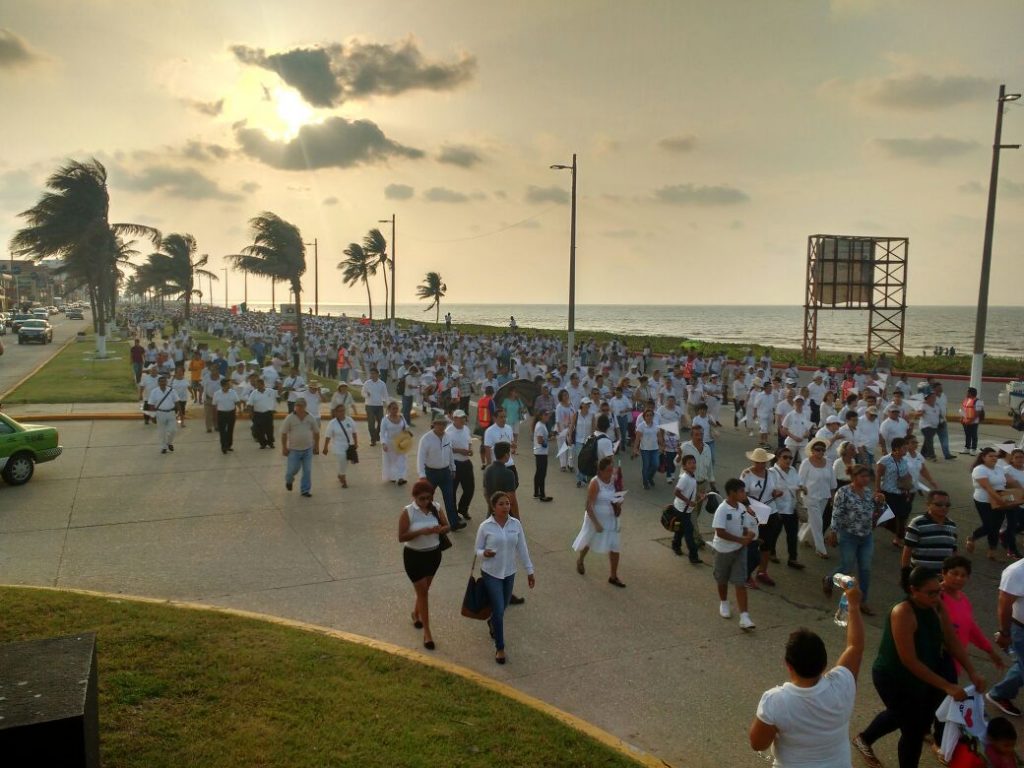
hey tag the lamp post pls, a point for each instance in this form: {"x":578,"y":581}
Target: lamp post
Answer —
{"x":981,"y":319}
{"x":225,"y":271}
{"x":316,"y":276}
{"x":392,"y":221}
{"x":572,"y":262}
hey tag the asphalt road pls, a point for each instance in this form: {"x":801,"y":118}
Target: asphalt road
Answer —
{"x":18,"y":360}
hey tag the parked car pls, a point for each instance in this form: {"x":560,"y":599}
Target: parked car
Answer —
{"x":74,"y":314}
{"x":22,"y":446}
{"x":35,"y":330}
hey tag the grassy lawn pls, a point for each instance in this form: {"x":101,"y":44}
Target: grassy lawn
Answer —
{"x":75,"y":376}
{"x":183,"y":687}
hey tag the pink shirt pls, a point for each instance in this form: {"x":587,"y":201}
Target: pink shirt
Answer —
{"x":961,"y":616}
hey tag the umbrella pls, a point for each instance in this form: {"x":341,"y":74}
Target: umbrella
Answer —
{"x":528,"y":392}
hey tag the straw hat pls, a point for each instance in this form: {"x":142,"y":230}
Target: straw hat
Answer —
{"x":403,"y":442}
{"x":760,"y":456}
{"x":817,"y":441}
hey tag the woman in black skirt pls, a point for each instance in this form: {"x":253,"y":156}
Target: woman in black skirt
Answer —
{"x":419,"y":527}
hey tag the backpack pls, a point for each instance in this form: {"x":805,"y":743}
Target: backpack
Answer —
{"x":587,"y":462}
{"x":400,"y":387}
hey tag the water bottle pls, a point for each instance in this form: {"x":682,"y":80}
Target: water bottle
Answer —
{"x":844,"y":582}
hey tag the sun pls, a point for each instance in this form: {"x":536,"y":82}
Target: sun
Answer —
{"x":292,"y":111}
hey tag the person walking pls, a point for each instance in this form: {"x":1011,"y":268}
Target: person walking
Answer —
{"x":225,"y":401}
{"x":760,"y":485}
{"x":462,"y":455}
{"x":735,"y":528}
{"x":340,"y":433}
{"x":300,"y":441}
{"x":262,"y":403}
{"x":540,"y":454}
{"x":853,"y":511}
{"x":972,"y":413}
{"x":600,"y":530}
{"x":565,"y":415}
{"x":989,"y":481}
{"x":908,"y":671}
{"x":394,"y":465}
{"x":161,"y":402}
{"x":687,"y":499}
{"x":787,"y":480}
{"x":818,"y":483}
{"x":419,"y":528}
{"x":501,"y":542}
{"x":375,"y":394}
{"x":647,"y":444}
{"x":895,"y":486}
{"x":434,"y":463}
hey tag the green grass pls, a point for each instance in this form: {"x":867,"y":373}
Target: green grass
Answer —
{"x":75,"y":376}
{"x":184,"y":687}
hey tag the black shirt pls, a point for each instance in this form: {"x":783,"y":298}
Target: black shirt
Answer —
{"x":498,"y":477}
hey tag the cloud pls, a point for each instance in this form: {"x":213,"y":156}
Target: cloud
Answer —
{"x":331,"y":75}
{"x":460,"y":155}
{"x":398,"y":192}
{"x":915,"y":91}
{"x":528,"y":224}
{"x":930,"y":150}
{"x":679,"y":144}
{"x":15,"y":52}
{"x":249,"y":187}
{"x":208,"y":108}
{"x":330,"y":200}
{"x":336,"y":142}
{"x":203,"y":152}
{"x":18,"y":190}
{"x":551,"y":194}
{"x":443,"y":195}
{"x":187,"y":183}
{"x":1007,"y":189}
{"x":603,"y":144}
{"x":690,"y":194}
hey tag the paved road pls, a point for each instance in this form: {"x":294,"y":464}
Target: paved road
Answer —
{"x":19,"y":359}
{"x":653,"y":663}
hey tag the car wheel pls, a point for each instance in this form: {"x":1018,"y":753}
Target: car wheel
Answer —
{"x":19,"y":469}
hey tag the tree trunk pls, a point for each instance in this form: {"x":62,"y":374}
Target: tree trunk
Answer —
{"x":369,"y":299}
{"x":437,"y":313}
{"x":387,"y":295}
{"x":300,"y":333}
{"x":101,"y":321}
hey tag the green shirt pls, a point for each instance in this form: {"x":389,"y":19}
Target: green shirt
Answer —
{"x":929,"y":645}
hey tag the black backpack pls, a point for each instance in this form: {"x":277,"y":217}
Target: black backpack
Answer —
{"x":587,"y":463}
{"x":400,"y":387}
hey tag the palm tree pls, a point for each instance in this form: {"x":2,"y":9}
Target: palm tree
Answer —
{"x":376,"y":248}
{"x":277,"y":252}
{"x":71,"y":222}
{"x":358,"y":266}
{"x":433,"y":288}
{"x":172,"y":270}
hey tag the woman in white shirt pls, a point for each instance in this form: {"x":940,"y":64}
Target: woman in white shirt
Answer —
{"x":340,"y":433}
{"x":600,"y":530}
{"x":500,"y":541}
{"x":420,"y":527}
{"x":394,"y":465}
{"x":564,"y":416}
{"x":787,"y":480}
{"x":646,"y":444}
{"x":540,"y":454}
{"x":1014,"y":515}
{"x":818,"y":483}
{"x":989,"y":483}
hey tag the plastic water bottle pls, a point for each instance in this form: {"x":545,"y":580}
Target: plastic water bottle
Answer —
{"x":844,"y":582}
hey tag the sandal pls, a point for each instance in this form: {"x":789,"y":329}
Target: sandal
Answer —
{"x":580,"y":568}
{"x":614,"y":581}
{"x":416,"y":622}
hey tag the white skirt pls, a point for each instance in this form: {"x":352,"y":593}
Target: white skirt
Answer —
{"x":606,"y":541}
{"x":393,"y":465}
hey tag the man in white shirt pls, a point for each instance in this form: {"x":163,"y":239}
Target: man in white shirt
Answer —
{"x":225,"y":402}
{"x":1010,"y":615}
{"x":816,"y":392}
{"x":462,"y":456}
{"x":795,"y":427}
{"x":375,"y":394}
{"x":943,"y":405}
{"x":435,"y":463}
{"x":762,"y":410}
{"x":868,"y":434}
{"x":808,"y":719}
{"x":893,"y":426}
{"x":161,"y":402}
{"x":500,"y":432}
{"x":930,"y":418}
{"x":735,"y":529}
{"x":262,"y":403}
{"x":830,"y":434}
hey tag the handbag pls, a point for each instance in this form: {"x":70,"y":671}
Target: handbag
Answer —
{"x":671,"y":518}
{"x":475,"y":603}
{"x":904,"y":482}
{"x":351,"y":453}
{"x":443,"y":538}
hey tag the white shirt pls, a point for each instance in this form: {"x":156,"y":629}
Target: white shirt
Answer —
{"x":996,"y":478}
{"x":434,"y":452}
{"x":686,"y":485}
{"x":540,"y":439}
{"x":164,"y":399}
{"x":731,"y":520}
{"x":507,"y":542}
{"x":820,"y":482}
{"x":892,"y":428}
{"x":797,"y":424}
{"x":867,"y":433}
{"x":339,"y":442}
{"x":225,"y":400}
{"x":1012,"y":583}
{"x":813,"y":723}
{"x":180,"y":387}
{"x":375,"y":392}
{"x":705,"y":469}
{"x":460,"y":438}
{"x":264,"y":401}
{"x":495,"y":434}
{"x":648,"y":434}
{"x":930,"y":416}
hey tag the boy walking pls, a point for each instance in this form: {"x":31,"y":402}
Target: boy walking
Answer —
{"x":735,"y":528}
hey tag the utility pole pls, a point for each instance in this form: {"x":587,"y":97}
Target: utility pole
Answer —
{"x":572,"y":263}
{"x":981,"y":319}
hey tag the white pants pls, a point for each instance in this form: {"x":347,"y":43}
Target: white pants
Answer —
{"x":714,"y":410}
{"x":815,"y":520}
{"x":167,"y":427}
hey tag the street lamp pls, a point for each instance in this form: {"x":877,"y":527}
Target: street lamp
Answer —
{"x":385,"y":221}
{"x":316,"y":276}
{"x":572,"y":261}
{"x":225,"y":271}
{"x":978,"y":360}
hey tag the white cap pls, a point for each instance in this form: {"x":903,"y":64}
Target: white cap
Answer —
{"x":461,"y":414}
{"x":833,"y":420}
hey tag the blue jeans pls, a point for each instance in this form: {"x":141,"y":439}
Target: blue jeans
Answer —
{"x":499,"y":592}
{"x":649,"y":466}
{"x":441,"y":479}
{"x":407,"y":407}
{"x":711,"y":445}
{"x":944,"y":440}
{"x":623,"y":422}
{"x":856,"y":551}
{"x":1008,"y":687}
{"x":300,"y":457}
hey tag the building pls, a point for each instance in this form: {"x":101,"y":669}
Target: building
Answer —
{"x":31,"y":282}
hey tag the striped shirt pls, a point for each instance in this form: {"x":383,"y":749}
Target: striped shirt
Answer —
{"x":930,"y":542}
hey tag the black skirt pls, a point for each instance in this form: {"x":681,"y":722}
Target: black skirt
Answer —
{"x":421,"y":564}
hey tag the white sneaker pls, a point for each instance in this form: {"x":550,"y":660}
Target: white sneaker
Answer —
{"x":669,"y":479}
{"x":723,"y":609}
{"x":746,"y":622}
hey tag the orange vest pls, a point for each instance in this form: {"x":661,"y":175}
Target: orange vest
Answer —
{"x":341,"y":358}
{"x":970,"y":413}
{"x":483,"y":411}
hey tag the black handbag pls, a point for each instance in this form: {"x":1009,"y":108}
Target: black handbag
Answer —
{"x":351,"y":453}
{"x":671,"y":518}
{"x":443,"y":538}
{"x":475,"y":603}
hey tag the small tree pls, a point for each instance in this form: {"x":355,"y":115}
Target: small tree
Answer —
{"x":376,"y":248}
{"x":359,"y":266}
{"x":433,"y":288}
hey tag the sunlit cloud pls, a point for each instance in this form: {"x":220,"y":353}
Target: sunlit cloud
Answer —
{"x":929,"y":150}
{"x":691,"y":194}
{"x":15,"y":52}
{"x":186,"y":183}
{"x":398,"y":191}
{"x":459,"y":155}
{"x":914,"y":91}
{"x":551,"y":194}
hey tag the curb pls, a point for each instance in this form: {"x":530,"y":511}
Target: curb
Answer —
{"x":588,"y":729}
{"x":38,"y":367}
{"x":132,"y":416}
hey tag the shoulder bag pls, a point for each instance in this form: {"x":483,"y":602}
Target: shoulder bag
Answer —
{"x":475,"y":603}
{"x":351,"y":453}
{"x":446,"y":542}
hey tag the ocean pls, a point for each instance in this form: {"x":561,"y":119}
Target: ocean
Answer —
{"x":778,"y":326}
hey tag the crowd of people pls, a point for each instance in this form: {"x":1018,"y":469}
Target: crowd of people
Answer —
{"x":831,"y":461}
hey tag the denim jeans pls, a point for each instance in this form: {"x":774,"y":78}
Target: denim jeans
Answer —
{"x":499,"y":592}
{"x":623,"y":422}
{"x":928,"y":449}
{"x":856,"y":551}
{"x":374,"y":416}
{"x":300,"y":457}
{"x":441,"y":479}
{"x":1008,"y":687}
{"x":407,"y":407}
{"x":944,"y":440}
{"x":685,"y":531}
{"x":649,"y":466}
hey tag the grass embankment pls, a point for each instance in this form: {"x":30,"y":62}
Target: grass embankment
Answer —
{"x":74,"y":375}
{"x":994,"y":366}
{"x":185,"y":687}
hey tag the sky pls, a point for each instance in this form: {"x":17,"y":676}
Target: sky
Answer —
{"x":712,"y":137}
